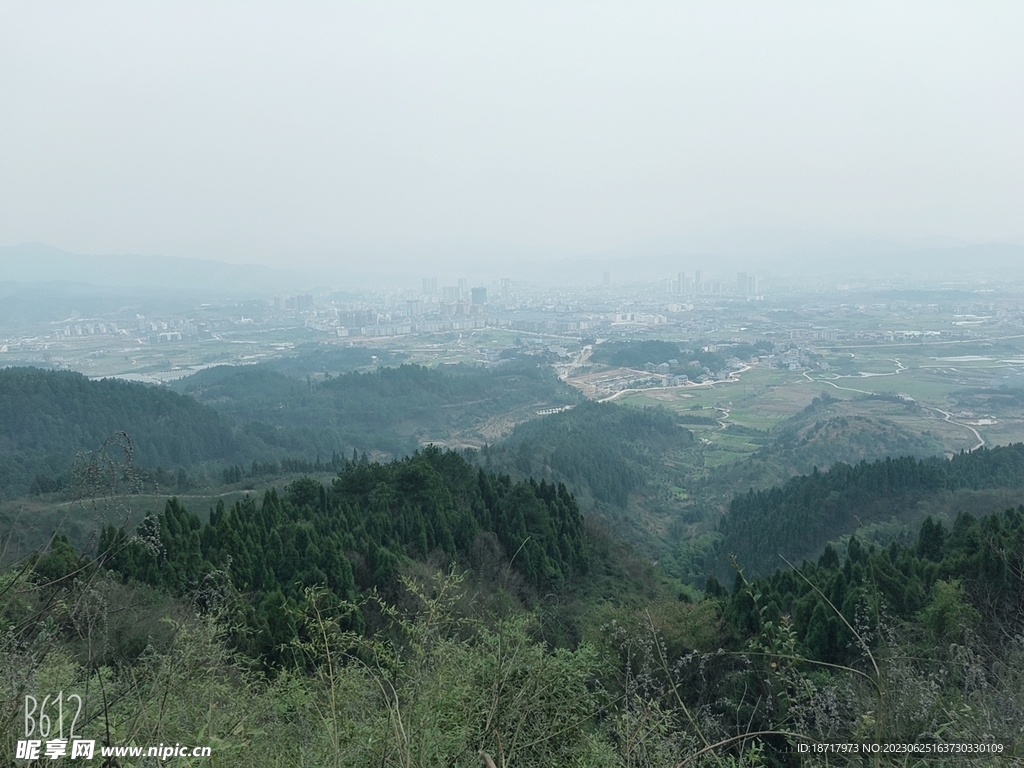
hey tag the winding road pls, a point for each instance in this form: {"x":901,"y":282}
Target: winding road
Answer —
{"x":899,"y":369}
{"x":831,"y":381}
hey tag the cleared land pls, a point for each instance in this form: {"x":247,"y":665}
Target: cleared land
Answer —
{"x":943,"y":384}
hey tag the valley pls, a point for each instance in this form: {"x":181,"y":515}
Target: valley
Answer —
{"x":598,"y":490}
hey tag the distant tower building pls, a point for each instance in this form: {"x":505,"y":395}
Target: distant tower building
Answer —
{"x":506,"y":288}
{"x":697,"y":285}
{"x":746,"y":285}
{"x":741,"y":283}
{"x":462,"y":287}
{"x":681,"y":283}
{"x":304,"y":302}
{"x":429,"y":286}
{"x":450,"y":294}
{"x":479,"y":295}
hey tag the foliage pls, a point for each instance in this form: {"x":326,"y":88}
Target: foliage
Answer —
{"x":917,"y":642}
{"x":797,"y":519}
{"x":824,"y":433}
{"x":905,"y":644}
{"x":934,"y":582}
{"x":637,"y":354}
{"x":352,"y":536}
{"x":388,"y":410}
{"x":252,"y":416}
{"x":608,"y":450}
{"x":445,"y":686}
{"x":46,"y":417}
{"x":325,"y":358}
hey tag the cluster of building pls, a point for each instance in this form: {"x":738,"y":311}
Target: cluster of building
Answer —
{"x":300,"y":303}
{"x":154,"y":331}
{"x":746,"y":285}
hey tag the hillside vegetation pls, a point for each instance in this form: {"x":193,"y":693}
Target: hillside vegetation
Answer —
{"x":797,"y":519}
{"x":46,"y":417}
{"x":626,"y":465}
{"x":255,"y":419}
{"x":418,"y":611}
{"x":391,"y":410}
{"x":912,"y":644}
{"x":354,"y":535}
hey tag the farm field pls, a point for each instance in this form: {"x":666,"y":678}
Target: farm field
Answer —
{"x":923,"y":388}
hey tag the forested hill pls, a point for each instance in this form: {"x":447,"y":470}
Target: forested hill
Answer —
{"x":797,"y":519}
{"x":605,"y":450}
{"x":46,"y":417}
{"x":827,"y":431}
{"x":354,"y":535}
{"x":237,"y":416}
{"x":892,"y":640}
{"x":624,"y":464}
{"x":390,"y":410}
{"x":944,"y":580}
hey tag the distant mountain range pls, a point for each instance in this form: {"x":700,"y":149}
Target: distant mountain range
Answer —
{"x":806,"y":258}
{"x":38,"y":262}
{"x":794,"y":256}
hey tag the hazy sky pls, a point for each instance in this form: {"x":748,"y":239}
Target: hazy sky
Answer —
{"x":288,"y":132}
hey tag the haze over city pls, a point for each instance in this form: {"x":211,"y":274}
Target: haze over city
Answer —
{"x":325,"y":136}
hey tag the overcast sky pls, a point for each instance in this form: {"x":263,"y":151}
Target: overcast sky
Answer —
{"x":284,"y":133}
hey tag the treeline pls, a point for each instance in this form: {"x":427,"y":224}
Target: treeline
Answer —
{"x":610,"y":451}
{"x":968,"y":578}
{"x":46,"y":417}
{"x":908,"y":643}
{"x":827,"y":431}
{"x":237,"y":473}
{"x":388,"y":410}
{"x":351,"y":536}
{"x":253,"y":416}
{"x":324,"y":358}
{"x":636,"y":354}
{"x":797,"y":519}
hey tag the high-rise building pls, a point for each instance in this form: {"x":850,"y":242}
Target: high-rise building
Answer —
{"x":462,"y":287}
{"x":746,"y":284}
{"x":698,"y":286}
{"x":479,"y":295}
{"x":429,"y":286}
{"x":292,"y":303}
{"x":741,"y":283}
{"x":450,"y":294}
{"x":681,"y":283}
{"x":506,"y":288}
